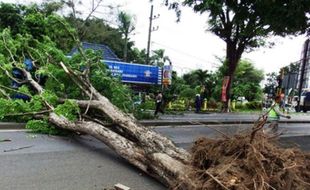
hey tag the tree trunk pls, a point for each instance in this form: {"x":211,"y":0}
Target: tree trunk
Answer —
{"x":146,"y":149}
{"x":156,"y":163}
{"x":232,"y":58}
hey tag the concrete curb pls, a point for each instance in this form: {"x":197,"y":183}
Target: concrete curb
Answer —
{"x":209,"y":122}
{"x":14,"y":125}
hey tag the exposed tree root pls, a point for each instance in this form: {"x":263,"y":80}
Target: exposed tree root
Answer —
{"x":247,"y":161}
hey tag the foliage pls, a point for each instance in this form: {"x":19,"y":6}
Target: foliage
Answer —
{"x":254,"y":105}
{"x":245,"y":25}
{"x":188,"y":93}
{"x":126,"y":26}
{"x":291,"y":68}
{"x":196,"y":77}
{"x":143,"y":114}
{"x":271,"y":83}
{"x":39,"y":40}
{"x":43,"y":127}
{"x":159,"y":58}
{"x":212,"y":103}
{"x":147,"y":105}
{"x":10,"y":108}
{"x":178,"y":105}
{"x":69,"y":110}
{"x":247,"y":81}
{"x":249,"y":106}
{"x":35,"y":21}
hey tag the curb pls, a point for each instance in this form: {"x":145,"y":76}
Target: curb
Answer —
{"x":13,"y":125}
{"x":209,"y":122}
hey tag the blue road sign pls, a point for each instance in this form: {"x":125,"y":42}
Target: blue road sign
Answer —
{"x":135,"y":73}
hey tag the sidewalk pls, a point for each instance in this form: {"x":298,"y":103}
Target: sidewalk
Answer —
{"x":218,"y":118}
{"x":194,"y":118}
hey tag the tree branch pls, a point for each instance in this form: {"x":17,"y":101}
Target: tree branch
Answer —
{"x":11,"y":77}
{"x":4,"y":94}
{"x":11,"y":89}
{"x":29,"y":113}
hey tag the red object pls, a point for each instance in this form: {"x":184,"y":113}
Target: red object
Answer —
{"x":224,"y":88}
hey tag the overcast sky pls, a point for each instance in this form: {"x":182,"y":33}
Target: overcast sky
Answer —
{"x":189,"y":45}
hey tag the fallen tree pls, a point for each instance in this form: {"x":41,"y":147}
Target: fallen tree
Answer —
{"x":69,"y":99}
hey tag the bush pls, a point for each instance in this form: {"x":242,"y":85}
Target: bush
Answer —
{"x":178,"y":105}
{"x":212,"y":103}
{"x":254,"y":105}
{"x":147,"y":105}
{"x":240,"y":106}
{"x":142,"y":114}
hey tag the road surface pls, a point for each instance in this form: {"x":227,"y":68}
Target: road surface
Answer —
{"x":40,"y":162}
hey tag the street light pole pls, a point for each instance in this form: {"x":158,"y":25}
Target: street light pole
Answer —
{"x":302,"y":71}
{"x":149,"y":37}
{"x":147,"y":61}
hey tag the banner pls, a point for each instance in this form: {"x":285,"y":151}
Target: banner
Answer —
{"x":135,"y":73}
{"x":224,"y":88}
{"x":167,"y":74}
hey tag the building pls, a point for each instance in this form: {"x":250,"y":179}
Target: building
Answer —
{"x":304,"y":67}
{"x":139,"y":76}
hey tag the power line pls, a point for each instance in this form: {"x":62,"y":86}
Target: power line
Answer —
{"x":182,"y":52}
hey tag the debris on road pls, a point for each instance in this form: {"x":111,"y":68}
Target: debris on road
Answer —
{"x":118,"y":186}
{"x":5,"y":140}
{"x":246,"y":161}
{"x":15,"y":149}
{"x":121,"y":187}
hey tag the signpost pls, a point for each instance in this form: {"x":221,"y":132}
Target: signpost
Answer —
{"x":135,"y":73}
{"x":167,"y":75}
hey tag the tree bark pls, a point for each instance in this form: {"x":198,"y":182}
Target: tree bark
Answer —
{"x":233,"y":56}
{"x":146,"y":149}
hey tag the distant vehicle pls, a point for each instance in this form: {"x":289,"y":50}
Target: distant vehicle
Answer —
{"x":304,"y":101}
{"x":242,"y":100}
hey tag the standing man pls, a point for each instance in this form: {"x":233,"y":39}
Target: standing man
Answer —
{"x":275,"y":114}
{"x":158,"y":102}
{"x":198,"y":103}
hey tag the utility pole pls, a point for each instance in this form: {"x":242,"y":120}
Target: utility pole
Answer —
{"x":302,"y":71}
{"x":151,"y":29}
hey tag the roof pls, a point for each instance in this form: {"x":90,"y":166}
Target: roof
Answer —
{"x":107,"y":53}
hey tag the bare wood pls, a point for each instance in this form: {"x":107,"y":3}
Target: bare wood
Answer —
{"x":216,"y":180}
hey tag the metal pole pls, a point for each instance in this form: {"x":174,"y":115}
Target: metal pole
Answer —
{"x":149,"y":38}
{"x":302,"y":73}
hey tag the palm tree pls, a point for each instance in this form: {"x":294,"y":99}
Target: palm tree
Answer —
{"x":201,"y":76}
{"x":159,"y":58}
{"x":126,"y":27}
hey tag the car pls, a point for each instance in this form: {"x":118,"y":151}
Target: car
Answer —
{"x":242,"y":100}
{"x":304,"y":101}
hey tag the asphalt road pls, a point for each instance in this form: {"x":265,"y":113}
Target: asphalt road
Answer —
{"x":293,"y":135}
{"x":229,"y":117}
{"x":39,"y":162}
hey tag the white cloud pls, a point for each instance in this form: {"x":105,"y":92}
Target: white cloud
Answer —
{"x":189,"y":45}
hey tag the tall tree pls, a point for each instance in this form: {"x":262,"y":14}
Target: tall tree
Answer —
{"x":159,"y":58}
{"x":247,"y":81}
{"x":126,"y":26}
{"x":271,"y":83}
{"x":245,"y":24}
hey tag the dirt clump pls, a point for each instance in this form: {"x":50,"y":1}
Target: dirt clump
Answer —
{"x":248,"y":161}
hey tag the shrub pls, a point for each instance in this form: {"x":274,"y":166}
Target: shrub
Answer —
{"x":254,"y":105}
{"x":212,"y":103}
